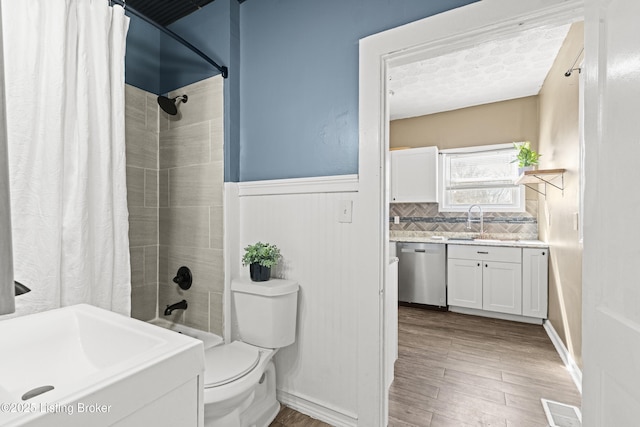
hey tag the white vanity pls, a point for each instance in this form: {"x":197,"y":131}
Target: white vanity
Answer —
{"x":85,"y":366}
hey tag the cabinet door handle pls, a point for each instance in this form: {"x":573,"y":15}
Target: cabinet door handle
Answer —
{"x":486,"y":265}
{"x":485,"y":253}
{"x":478,"y":264}
{"x":542,"y":253}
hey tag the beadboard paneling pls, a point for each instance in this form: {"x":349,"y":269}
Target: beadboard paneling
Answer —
{"x":321,"y":366}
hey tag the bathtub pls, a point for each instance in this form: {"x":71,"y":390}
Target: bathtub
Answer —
{"x":208,"y":339}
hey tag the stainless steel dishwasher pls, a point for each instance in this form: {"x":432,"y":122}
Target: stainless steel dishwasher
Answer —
{"x":421,"y":273}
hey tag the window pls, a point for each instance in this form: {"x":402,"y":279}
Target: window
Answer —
{"x":480,"y":176}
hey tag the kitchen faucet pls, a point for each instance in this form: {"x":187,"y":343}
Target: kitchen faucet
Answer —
{"x":480,"y":220}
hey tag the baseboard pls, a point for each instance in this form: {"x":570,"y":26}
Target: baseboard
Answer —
{"x":495,"y":315}
{"x":572,"y":367}
{"x":322,"y":412}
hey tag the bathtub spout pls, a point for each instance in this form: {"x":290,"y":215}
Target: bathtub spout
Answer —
{"x":182,"y":305}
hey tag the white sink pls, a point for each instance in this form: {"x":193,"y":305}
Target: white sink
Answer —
{"x":81,"y":351}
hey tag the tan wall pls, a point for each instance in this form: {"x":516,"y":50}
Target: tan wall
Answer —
{"x":496,"y":123}
{"x":560,"y":148}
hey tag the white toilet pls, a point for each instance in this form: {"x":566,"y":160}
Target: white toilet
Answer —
{"x":240,"y":377}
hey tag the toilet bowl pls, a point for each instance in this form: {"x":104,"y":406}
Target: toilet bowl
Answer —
{"x":240,"y":377}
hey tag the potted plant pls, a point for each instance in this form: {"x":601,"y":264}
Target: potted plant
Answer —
{"x":260,"y":257}
{"x":527,"y":158}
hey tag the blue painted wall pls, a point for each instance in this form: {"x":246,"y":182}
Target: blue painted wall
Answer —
{"x":214,"y":30}
{"x":142,"y":59}
{"x":291,"y":101}
{"x":157,"y":63}
{"x":299,"y":81}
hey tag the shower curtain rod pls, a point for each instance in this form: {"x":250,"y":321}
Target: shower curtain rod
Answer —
{"x":223,"y":70}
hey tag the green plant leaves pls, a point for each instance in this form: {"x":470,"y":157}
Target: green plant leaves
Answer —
{"x":264,"y":254}
{"x":526,"y":156}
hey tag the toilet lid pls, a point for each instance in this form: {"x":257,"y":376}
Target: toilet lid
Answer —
{"x":226,"y":363}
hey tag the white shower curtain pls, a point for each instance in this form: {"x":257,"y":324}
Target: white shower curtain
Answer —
{"x":64,"y":68}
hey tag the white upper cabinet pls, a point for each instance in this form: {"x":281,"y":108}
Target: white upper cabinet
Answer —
{"x":414,"y":175}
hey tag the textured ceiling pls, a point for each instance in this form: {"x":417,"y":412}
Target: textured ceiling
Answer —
{"x":490,"y":72}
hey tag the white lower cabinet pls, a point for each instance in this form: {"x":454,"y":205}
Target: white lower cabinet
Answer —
{"x":498,"y":279}
{"x":502,"y":287}
{"x":535,"y":280}
{"x":465,"y":283}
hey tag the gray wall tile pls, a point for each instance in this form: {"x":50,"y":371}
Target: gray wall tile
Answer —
{"x":143,"y":226}
{"x":199,"y":185}
{"x":216,"y":227}
{"x":205,"y":102}
{"x":135,"y":186}
{"x":184,"y":227}
{"x":151,"y":188}
{"x":197,"y":315}
{"x":217,"y":140}
{"x":136,"y":259}
{"x":141,"y":148}
{"x":163,"y":188}
{"x":185,"y":146}
{"x":144,"y":302}
{"x":206,"y":266}
{"x":151,"y":264}
{"x":216,"y":314}
{"x":151,"y":113}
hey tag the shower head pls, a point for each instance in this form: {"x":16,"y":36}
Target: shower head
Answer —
{"x":170,"y":105}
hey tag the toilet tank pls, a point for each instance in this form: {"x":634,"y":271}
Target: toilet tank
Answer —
{"x":266,"y":311}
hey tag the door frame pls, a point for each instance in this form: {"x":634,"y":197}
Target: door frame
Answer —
{"x":430,"y":37}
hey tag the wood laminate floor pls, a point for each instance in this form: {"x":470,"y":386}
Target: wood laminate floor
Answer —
{"x":459,"y":370}
{"x":455,"y":370}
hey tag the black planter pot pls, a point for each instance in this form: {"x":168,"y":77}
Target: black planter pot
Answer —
{"x":259,"y":273}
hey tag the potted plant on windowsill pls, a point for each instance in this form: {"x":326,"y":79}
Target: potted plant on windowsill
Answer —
{"x":527,"y":158}
{"x":260,"y":257}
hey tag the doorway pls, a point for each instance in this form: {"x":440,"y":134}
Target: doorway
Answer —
{"x":454,"y":30}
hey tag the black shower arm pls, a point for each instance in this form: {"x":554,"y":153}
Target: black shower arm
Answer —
{"x":223,"y":70}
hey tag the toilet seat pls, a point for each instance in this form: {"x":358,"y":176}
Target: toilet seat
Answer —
{"x":226,"y":363}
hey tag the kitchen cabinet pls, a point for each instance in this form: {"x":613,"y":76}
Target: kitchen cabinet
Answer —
{"x":485,"y":277}
{"x":535,"y":280}
{"x":414,"y":175}
{"x":465,"y":283}
{"x":502,"y":287}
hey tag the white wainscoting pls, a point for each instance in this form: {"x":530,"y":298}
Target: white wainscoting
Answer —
{"x":318,"y":374}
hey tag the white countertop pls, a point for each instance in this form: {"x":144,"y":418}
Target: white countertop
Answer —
{"x":524,"y":243}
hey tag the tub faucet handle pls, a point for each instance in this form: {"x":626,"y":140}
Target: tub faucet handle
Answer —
{"x":183,"y":278}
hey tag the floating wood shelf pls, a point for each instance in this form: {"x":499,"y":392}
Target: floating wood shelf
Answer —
{"x":542,"y":176}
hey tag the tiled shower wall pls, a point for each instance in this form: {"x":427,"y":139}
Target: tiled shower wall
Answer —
{"x":174,"y":183}
{"x":190,"y":205}
{"x":425,"y":218}
{"x":141,"y":124}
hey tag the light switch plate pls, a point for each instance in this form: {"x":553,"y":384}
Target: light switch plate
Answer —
{"x":346,"y":211}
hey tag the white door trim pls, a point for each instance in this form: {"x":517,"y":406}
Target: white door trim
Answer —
{"x":430,"y":37}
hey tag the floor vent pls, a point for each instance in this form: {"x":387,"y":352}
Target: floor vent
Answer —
{"x":561,"y":415}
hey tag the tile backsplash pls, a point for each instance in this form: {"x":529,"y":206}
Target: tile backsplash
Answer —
{"x":425,"y":219}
